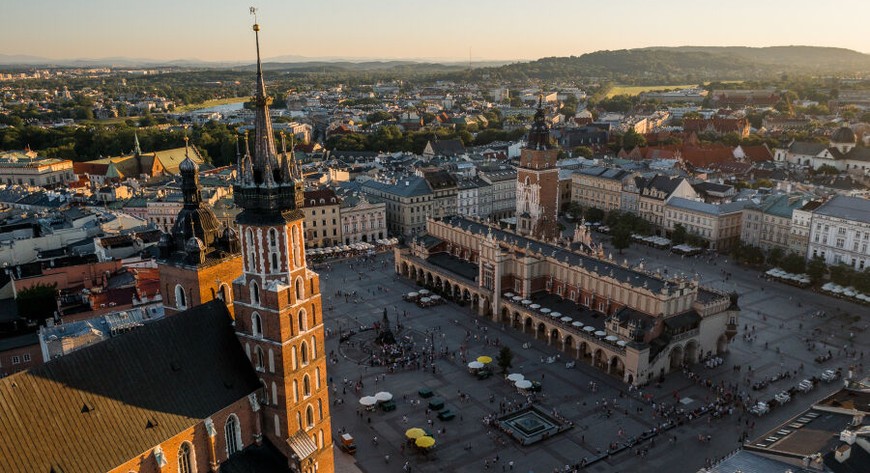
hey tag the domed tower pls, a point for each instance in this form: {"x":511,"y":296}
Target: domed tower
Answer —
{"x":197,"y":262}
{"x":278,"y":307}
{"x":843,"y":139}
{"x":538,"y":182}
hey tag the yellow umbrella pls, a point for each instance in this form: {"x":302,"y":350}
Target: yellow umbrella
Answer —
{"x":415,"y":433}
{"x":484,"y":359}
{"x":425,"y":442}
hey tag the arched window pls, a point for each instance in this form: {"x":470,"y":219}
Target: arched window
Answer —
{"x":256,"y":325}
{"x":180,"y":297}
{"x":313,"y":315}
{"x":224,"y":293}
{"x":271,"y":361}
{"x":233,"y":434}
{"x":306,"y":385}
{"x":295,"y":391}
{"x":303,"y":349}
{"x":294,"y":358}
{"x":297,"y":258}
{"x":274,"y":261}
{"x":313,"y":347}
{"x":251,"y":260}
{"x":185,"y":458}
{"x":255,"y":293}
{"x":273,"y":237}
{"x":317,"y":378}
{"x":309,"y":416}
{"x":320,"y":409}
{"x":299,"y":419}
{"x":258,"y":358}
{"x":277,"y":426}
{"x":300,"y":290}
{"x":274,"y":393}
{"x":303,"y":326}
{"x":320,"y":439}
{"x":265,"y":398}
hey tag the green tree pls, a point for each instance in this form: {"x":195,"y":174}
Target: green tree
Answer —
{"x":632,"y":138}
{"x":594,"y":214}
{"x":574,"y":210}
{"x":584,"y":151}
{"x":38,"y":302}
{"x":775,"y":256}
{"x":816,"y":268}
{"x":505,"y":359}
{"x":794,"y":263}
{"x":621,"y":237}
{"x":678,"y":237}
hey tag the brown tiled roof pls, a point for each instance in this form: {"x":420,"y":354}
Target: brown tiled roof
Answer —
{"x":312,"y":198}
{"x":89,"y":411}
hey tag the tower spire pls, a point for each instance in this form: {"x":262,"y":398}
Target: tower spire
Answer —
{"x":136,"y":149}
{"x":264,"y":141}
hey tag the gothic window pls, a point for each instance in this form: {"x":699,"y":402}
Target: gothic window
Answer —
{"x":317,"y":378}
{"x":313,"y":315}
{"x":274,"y":393}
{"x":299,"y":419}
{"x":303,"y":349}
{"x":295,"y":391}
{"x":265,"y":398}
{"x":294,"y":358}
{"x":274,"y":261}
{"x":306,"y":386}
{"x":251,"y":259}
{"x":309,"y":416}
{"x":320,"y":409}
{"x":180,"y":297}
{"x":277,"y":421}
{"x":320,"y":439}
{"x":300,"y":289}
{"x":233,"y":434}
{"x":258,"y":358}
{"x":255,"y":293}
{"x":302,"y":325}
{"x":313,"y":347}
{"x":297,"y":258}
{"x":271,"y":361}
{"x":185,"y":458}
{"x":273,"y":238}
{"x":256,"y":325}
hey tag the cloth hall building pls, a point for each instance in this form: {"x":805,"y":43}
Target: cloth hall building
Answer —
{"x":632,"y":324}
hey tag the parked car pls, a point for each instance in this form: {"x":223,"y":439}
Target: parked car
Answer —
{"x":760,"y":408}
{"x":830,"y":375}
{"x":782,"y":397}
{"x":805,"y":386}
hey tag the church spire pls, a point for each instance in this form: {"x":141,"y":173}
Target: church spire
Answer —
{"x":136,"y":149}
{"x":264,"y":142}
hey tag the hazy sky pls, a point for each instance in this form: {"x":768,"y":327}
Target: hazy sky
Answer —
{"x":446,"y":29}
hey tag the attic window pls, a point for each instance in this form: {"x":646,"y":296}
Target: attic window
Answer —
{"x":151,"y":424}
{"x":87,"y":407}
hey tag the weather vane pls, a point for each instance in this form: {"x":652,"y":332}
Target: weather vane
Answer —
{"x":253,"y":11}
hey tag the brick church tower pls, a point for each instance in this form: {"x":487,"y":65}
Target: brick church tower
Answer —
{"x":278,"y":307}
{"x":538,"y":183}
{"x":199,"y":259}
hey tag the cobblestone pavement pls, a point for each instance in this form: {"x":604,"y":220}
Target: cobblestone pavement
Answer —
{"x":465,"y":444}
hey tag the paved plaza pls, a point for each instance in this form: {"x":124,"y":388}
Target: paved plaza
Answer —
{"x":782,"y":317}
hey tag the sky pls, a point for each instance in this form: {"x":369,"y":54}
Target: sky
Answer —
{"x":219,"y":30}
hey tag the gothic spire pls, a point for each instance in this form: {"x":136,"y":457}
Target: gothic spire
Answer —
{"x":136,"y":149}
{"x":264,"y":143}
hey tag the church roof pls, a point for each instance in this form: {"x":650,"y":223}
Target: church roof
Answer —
{"x":103,"y":405}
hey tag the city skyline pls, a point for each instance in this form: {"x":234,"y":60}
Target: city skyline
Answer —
{"x":451,"y":31}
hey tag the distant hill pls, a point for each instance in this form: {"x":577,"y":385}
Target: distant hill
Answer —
{"x":686,"y":64}
{"x":805,"y":57}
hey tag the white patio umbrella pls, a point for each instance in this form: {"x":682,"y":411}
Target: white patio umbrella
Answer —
{"x":612,"y":338}
{"x":383,"y":396}
{"x":523,"y":384}
{"x":368,"y":401}
{"x":600,"y":333}
{"x":475,"y":365}
{"x":515,"y":377}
